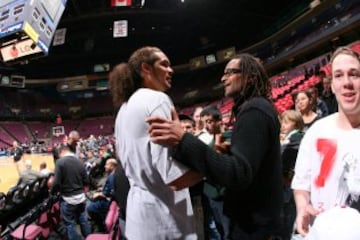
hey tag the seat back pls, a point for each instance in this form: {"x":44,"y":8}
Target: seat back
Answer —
{"x":112,"y":216}
{"x":13,"y":197}
{"x":44,"y":221}
{"x":111,"y":223}
{"x":50,"y":218}
{"x":21,"y":231}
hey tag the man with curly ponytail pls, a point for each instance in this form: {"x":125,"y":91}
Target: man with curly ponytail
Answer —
{"x":158,"y":202}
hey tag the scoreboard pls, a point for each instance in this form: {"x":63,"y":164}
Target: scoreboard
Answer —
{"x":27,"y":27}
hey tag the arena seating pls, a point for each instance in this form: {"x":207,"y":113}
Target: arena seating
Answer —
{"x":42,"y":129}
{"x":40,"y":220}
{"x":6,"y":140}
{"x":17,"y":130}
{"x":19,"y":199}
{"x":96,"y":126}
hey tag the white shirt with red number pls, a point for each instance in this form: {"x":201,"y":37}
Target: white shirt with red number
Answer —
{"x":325,"y":140}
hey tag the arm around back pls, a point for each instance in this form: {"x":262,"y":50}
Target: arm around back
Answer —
{"x":250,"y":143}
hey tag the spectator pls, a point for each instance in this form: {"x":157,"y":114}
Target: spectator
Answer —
{"x":99,"y":205}
{"x":291,"y":126}
{"x":158,"y":184}
{"x":43,"y":169}
{"x":217,"y":223}
{"x":204,"y":134}
{"x":327,"y":167}
{"x":327,"y":95}
{"x":319,"y":106}
{"x":29,"y":174}
{"x":188,"y":123}
{"x":303,"y":104}
{"x":251,"y":169}
{"x":70,"y":180}
{"x":199,"y":124}
{"x":90,"y":161}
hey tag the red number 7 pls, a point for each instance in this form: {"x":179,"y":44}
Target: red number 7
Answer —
{"x":327,"y":148}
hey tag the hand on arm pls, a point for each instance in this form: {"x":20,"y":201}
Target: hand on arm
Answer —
{"x":305,"y":211}
{"x":169,"y":133}
{"x":165,"y":132}
{"x":221,"y":145}
{"x":98,"y":195}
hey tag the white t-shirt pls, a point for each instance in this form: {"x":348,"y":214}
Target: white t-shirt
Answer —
{"x":335,"y":224}
{"x":205,"y":137}
{"x":154,"y":211}
{"x":325,"y":140}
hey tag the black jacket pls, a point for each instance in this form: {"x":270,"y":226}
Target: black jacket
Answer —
{"x":251,"y":172}
{"x":289,"y":154}
{"x":122,"y":187}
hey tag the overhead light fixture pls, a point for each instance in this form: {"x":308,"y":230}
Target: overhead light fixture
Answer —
{"x":5,"y":80}
{"x":210,"y":58}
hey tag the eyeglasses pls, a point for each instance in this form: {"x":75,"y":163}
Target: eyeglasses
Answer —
{"x":231,"y":71}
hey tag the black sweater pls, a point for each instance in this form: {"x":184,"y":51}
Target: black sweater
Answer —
{"x":251,"y":171}
{"x":70,"y":176}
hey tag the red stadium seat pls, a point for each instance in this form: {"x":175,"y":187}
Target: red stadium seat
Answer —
{"x":111,"y":223}
{"x":29,"y":232}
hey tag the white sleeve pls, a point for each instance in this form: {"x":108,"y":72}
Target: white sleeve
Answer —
{"x":168,"y":168}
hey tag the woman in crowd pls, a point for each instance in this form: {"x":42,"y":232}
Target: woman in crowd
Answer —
{"x":158,"y":203}
{"x":327,"y":168}
{"x":304,"y":104}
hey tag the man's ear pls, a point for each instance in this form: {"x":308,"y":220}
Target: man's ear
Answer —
{"x":146,"y":68}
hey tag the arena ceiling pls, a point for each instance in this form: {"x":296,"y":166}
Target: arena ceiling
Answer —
{"x":182,"y":28}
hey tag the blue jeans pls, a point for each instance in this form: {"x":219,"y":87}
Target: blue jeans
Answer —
{"x":97,"y":210}
{"x":211,"y":231}
{"x":220,"y":218}
{"x":73,"y":214}
{"x":288,"y":214}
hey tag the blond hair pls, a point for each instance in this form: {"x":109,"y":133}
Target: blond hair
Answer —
{"x":295,"y":117}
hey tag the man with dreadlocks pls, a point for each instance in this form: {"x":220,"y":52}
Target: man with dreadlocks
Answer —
{"x":250,"y":170}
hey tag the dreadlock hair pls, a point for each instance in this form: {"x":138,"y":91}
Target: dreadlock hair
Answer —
{"x":125,"y":78}
{"x":255,"y":82}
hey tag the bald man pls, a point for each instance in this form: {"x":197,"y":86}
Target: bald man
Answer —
{"x":72,"y":140}
{"x":99,"y":206}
